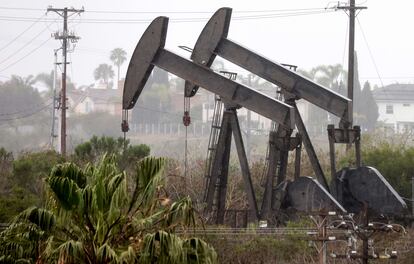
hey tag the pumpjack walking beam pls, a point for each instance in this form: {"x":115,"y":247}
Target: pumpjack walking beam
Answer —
{"x":150,"y":52}
{"x":213,"y":41}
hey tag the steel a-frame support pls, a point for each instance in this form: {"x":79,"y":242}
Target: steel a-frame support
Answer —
{"x":280,"y":143}
{"x":217,"y":184}
{"x":150,"y":52}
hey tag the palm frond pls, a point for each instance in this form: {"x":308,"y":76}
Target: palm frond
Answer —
{"x":105,"y":254}
{"x":198,"y":251}
{"x":71,"y":252}
{"x":43,"y":218}
{"x":147,"y":179}
{"x":128,"y":256}
{"x":71,"y":171}
{"x":66,"y":192}
{"x":162,"y":247}
{"x":180,"y":212}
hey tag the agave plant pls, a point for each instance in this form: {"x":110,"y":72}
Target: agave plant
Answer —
{"x":96,"y":215}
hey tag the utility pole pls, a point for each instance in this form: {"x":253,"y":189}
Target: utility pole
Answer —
{"x":64,"y":36}
{"x":55,"y":107}
{"x":351,"y":56}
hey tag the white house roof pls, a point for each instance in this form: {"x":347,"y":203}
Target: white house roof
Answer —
{"x":394,"y":92}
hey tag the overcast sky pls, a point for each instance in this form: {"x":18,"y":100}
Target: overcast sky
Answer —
{"x":294,"y":36}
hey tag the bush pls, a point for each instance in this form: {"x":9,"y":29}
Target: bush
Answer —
{"x":96,"y":147}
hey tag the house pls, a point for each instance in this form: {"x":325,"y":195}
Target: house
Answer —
{"x":396,"y":106}
{"x":258,"y":123}
{"x":95,"y":99}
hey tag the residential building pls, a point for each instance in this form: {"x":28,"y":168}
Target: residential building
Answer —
{"x":95,"y":99}
{"x":396,"y":106}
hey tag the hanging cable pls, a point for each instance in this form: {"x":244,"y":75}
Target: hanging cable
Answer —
{"x":186,"y":122}
{"x":124,"y":125}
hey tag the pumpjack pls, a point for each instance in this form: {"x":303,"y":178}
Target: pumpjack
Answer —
{"x":350,"y":188}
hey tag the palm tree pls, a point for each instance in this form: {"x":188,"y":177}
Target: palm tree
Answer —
{"x":104,"y":72}
{"x":118,"y":57}
{"x":92,"y":218}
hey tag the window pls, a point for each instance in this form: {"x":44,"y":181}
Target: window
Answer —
{"x":406,"y":105}
{"x":389,"y":109}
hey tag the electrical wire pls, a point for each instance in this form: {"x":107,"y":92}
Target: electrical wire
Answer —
{"x":169,"y":12}
{"x":201,"y":12}
{"x":21,"y":34}
{"x":370,"y":53}
{"x":407,"y":199}
{"x":24,"y":46}
{"x":27,"y":115}
{"x":25,"y":56}
{"x":25,"y":110}
{"x":172,"y":20}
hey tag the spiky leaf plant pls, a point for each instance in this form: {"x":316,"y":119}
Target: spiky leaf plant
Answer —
{"x":93,"y":217}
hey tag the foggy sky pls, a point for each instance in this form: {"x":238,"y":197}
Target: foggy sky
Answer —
{"x":306,"y":41}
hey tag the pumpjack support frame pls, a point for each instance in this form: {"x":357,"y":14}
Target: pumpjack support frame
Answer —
{"x":213,"y":42}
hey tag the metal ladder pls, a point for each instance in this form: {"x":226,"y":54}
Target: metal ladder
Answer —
{"x":273,"y":128}
{"x":212,"y":141}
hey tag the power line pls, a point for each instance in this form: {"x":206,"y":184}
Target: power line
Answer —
{"x":24,"y":110}
{"x":370,"y":53}
{"x":201,"y":12}
{"x":25,"y":56}
{"x":24,"y":31}
{"x":21,"y":8}
{"x":27,"y":115}
{"x":172,"y":12}
{"x":25,"y":45}
{"x":172,"y":20}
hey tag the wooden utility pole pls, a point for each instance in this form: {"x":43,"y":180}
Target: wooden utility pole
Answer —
{"x":351,"y":56}
{"x":64,"y":36}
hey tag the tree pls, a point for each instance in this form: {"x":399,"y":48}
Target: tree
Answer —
{"x":22,"y":180}
{"x":19,"y":101}
{"x":331,"y":77}
{"x":97,"y":147}
{"x":118,"y":57}
{"x":370,"y":110}
{"x":47,"y":80}
{"x":91,"y":218}
{"x":104,"y":72}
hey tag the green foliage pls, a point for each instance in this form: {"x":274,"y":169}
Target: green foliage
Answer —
{"x":96,"y":147}
{"x":15,"y":201}
{"x":30,"y":168}
{"x":92,"y":218}
{"x":118,"y":57}
{"x":22,"y":180}
{"x":104,"y":72}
